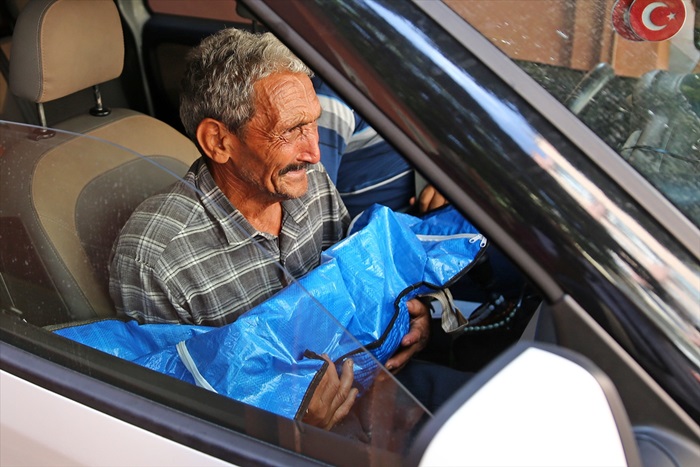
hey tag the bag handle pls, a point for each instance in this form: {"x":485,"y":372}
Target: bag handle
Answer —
{"x":453,"y":321}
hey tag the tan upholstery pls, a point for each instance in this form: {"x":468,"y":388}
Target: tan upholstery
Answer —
{"x":63,"y":47}
{"x":63,"y":199}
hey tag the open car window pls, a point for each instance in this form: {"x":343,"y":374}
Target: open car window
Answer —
{"x":57,"y":234}
{"x":629,"y":70}
{"x":585,"y":257}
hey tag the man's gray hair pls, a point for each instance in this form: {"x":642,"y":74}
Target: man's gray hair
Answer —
{"x":220,"y":74}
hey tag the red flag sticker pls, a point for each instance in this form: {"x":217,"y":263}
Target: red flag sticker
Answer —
{"x":656,"y":20}
{"x":620,"y":20}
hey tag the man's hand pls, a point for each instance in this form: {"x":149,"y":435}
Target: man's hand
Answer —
{"x":417,"y":336}
{"x":333,"y":397}
{"x":429,"y":199}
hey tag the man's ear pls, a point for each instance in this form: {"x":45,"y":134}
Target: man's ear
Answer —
{"x":213,"y":137}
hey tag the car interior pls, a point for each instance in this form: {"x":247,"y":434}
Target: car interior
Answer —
{"x":73,"y":259}
{"x":78,"y":254}
{"x":86,"y":80}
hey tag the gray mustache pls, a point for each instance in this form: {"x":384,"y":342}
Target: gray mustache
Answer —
{"x":291,"y":167}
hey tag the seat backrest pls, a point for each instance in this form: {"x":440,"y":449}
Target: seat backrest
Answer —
{"x":70,"y":196}
{"x":121,"y":92}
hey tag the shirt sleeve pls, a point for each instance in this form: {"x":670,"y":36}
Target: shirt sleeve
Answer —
{"x":138,"y":293}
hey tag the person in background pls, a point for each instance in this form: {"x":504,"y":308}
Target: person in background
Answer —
{"x":364,"y":167}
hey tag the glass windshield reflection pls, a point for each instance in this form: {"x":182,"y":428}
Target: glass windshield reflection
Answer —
{"x":63,"y":200}
{"x":636,"y":89}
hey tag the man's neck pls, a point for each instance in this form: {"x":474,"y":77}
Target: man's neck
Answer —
{"x":263,"y":211}
{"x":268,"y":220}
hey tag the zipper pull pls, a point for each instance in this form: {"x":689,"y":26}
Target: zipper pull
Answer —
{"x":478,"y":237}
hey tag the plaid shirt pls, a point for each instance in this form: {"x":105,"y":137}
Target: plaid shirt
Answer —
{"x":189,"y":256}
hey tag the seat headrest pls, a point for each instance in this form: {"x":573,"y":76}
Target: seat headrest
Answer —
{"x":64,"y":46}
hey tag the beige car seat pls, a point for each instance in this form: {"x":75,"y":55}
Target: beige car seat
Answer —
{"x":125,"y":91}
{"x":65,"y":196}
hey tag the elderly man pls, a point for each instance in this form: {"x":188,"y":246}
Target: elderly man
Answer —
{"x":256,"y":205}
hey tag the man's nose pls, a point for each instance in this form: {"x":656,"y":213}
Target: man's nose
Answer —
{"x":311,"y":152}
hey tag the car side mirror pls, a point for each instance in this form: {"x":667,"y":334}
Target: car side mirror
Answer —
{"x":535,"y":405}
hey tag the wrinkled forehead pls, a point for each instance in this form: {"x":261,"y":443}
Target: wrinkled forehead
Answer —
{"x":286,"y":98}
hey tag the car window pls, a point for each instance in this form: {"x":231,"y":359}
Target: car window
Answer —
{"x":629,"y":70}
{"x":57,"y":231}
{"x":40,"y":315}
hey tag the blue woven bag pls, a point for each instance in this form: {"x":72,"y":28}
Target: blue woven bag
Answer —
{"x":352,"y":305}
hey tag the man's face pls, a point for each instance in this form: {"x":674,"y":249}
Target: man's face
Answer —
{"x":281,"y":140}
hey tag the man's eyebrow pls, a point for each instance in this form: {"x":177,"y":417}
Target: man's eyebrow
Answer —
{"x":303,"y":121}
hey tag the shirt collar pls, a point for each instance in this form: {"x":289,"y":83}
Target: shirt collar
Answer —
{"x":235,"y":226}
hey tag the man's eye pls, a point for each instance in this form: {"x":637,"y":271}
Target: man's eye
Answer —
{"x":294,"y":132}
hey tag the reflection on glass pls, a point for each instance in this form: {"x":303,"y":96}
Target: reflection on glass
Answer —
{"x":640,"y":95}
{"x":63,"y":199}
{"x":682,"y":322}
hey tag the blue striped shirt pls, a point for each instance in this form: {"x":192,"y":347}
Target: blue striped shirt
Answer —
{"x":365,"y":168}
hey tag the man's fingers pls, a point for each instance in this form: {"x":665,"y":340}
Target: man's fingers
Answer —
{"x":420,"y":322}
{"x":430,"y":199}
{"x":417,"y":308}
{"x":399,"y":359}
{"x":436,"y":199}
{"x":323,"y":396}
{"x":425,"y":198}
{"x":330,"y":380}
{"x":416,"y":337}
{"x":334,"y":396}
{"x":346,"y":378}
{"x":344,"y":409}
{"x":342,"y":395}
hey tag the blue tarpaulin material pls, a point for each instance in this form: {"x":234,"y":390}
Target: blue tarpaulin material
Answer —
{"x":353,"y":305}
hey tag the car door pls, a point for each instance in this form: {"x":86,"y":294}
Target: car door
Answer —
{"x":545,"y":200}
{"x":468,"y":107}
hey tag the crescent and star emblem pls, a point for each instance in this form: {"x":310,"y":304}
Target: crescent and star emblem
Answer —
{"x":648,"y":20}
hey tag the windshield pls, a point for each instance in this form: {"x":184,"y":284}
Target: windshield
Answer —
{"x":65,"y":198}
{"x":629,"y":70}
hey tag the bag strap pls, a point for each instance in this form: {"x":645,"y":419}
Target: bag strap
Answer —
{"x":453,"y":321}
